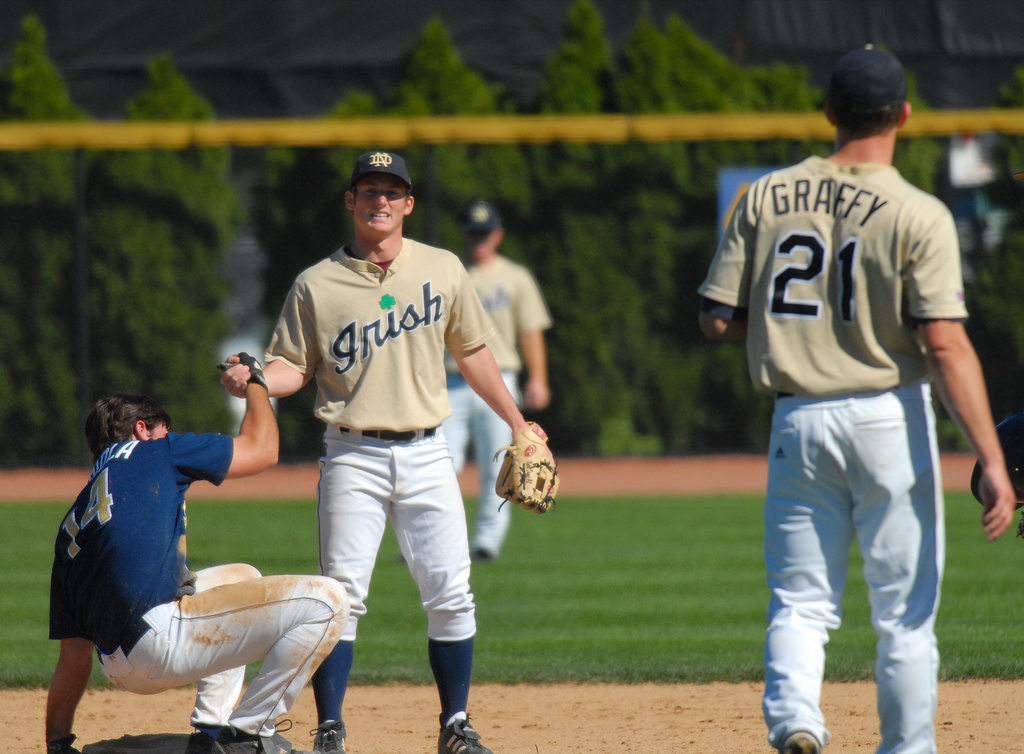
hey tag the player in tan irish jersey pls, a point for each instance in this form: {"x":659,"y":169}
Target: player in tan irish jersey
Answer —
{"x":845,"y":282}
{"x":371,"y":324}
{"x":378,"y":366}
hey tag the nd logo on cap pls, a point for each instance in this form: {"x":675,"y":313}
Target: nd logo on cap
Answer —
{"x":381,"y":162}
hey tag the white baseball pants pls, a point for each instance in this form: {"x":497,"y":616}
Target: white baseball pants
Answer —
{"x":366,"y":483}
{"x":236,"y":617}
{"x":863,"y":467}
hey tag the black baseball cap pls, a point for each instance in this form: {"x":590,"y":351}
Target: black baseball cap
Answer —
{"x":481,"y":217}
{"x":867,"y":79}
{"x":380,"y":162}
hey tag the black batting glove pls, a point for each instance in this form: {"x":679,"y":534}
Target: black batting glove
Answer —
{"x":255,"y":368}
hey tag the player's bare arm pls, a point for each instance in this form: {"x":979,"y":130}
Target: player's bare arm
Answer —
{"x":70,"y":677}
{"x":481,"y":372}
{"x":537,"y":392}
{"x":959,"y":380}
{"x":256,"y":447}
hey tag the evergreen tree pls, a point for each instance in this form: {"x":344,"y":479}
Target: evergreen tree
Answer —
{"x":579,"y":74}
{"x":159,"y":224}
{"x":589,"y":275}
{"x":435,"y":81}
{"x":38,"y":382}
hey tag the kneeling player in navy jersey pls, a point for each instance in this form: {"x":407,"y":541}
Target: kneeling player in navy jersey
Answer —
{"x":121,"y":584}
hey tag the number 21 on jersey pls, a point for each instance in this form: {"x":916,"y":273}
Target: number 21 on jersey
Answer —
{"x":100,"y":503}
{"x":784,"y":302}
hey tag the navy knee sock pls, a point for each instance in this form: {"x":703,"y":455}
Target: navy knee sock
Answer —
{"x":330,"y":681}
{"x":452,"y":664}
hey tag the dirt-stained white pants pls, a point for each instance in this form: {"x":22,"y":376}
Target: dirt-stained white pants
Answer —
{"x":236,"y":617}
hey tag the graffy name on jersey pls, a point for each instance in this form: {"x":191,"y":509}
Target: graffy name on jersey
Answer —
{"x":825,"y":196}
{"x":355,"y":341}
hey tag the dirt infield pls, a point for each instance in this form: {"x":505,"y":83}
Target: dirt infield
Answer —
{"x":578,"y":719}
{"x":579,"y":476}
{"x":592,"y":719}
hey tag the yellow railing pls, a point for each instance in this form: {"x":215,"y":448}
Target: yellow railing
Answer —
{"x":497,"y":129}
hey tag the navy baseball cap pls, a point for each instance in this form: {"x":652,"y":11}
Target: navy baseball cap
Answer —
{"x":867,"y":79}
{"x":481,"y":217}
{"x":380,"y":162}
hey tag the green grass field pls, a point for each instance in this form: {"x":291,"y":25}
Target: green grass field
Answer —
{"x":662,"y":589}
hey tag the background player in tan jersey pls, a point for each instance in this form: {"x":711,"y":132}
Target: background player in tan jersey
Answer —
{"x":513,"y":300}
{"x":845,"y":282}
{"x":371,"y":324}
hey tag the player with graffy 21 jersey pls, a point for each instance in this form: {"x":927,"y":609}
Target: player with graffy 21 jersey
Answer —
{"x":845,"y":282}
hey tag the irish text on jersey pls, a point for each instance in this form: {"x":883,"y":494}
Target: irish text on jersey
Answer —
{"x":355,"y":341}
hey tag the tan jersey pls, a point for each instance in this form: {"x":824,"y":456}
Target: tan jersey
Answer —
{"x":375,"y":342}
{"x":513,"y":300}
{"x":834,"y":265}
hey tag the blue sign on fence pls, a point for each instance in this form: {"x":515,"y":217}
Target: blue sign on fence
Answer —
{"x":732,"y":185}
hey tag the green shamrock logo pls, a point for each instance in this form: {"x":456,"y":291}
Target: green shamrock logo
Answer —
{"x":387,"y":301}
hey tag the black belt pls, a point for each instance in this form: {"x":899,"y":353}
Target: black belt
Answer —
{"x":132,"y":634}
{"x":783,"y":395}
{"x":391,"y":435}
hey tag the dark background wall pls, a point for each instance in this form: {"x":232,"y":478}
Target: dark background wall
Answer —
{"x":296,"y":58}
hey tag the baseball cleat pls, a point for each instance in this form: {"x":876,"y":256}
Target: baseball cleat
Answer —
{"x":460,"y":738}
{"x":330,"y":738}
{"x":800,"y":742}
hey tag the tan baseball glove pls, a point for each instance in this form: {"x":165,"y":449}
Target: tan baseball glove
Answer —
{"x":528,"y":476}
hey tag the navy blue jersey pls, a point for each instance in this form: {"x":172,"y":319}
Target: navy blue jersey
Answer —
{"x":120,"y":549}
